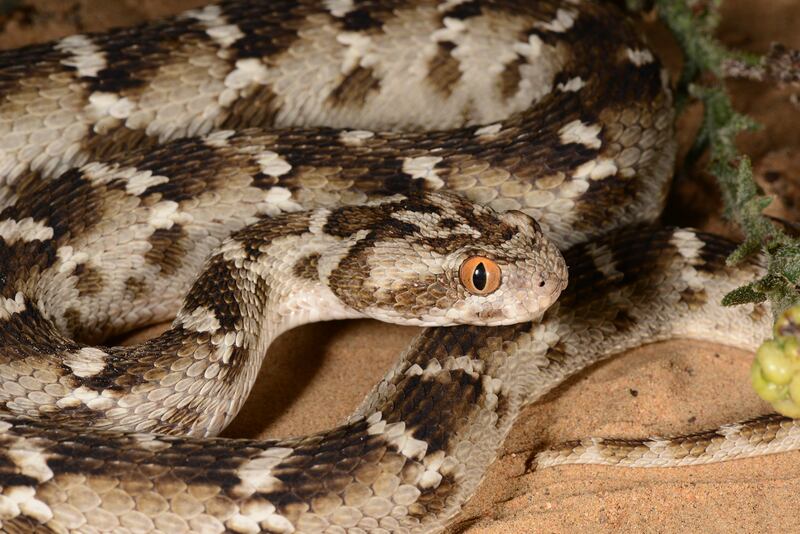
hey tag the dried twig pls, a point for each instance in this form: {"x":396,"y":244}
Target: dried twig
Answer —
{"x":707,"y":62}
{"x":781,"y":65}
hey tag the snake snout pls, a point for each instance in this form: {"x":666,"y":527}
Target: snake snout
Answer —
{"x":547,"y":287}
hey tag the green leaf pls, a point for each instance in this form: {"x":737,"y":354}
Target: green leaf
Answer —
{"x":743,"y":295}
{"x":744,"y":251}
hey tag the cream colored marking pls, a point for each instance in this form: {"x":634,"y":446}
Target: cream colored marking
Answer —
{"x":29,"y":460}
{"x":430,"y":479}
{"x":216,"y":26}
{"x":87,"y":58}
{"x":432,"y":369}
{"x":141,"y":181}
{"x":406,"y":444}
{"x":24,"y":230}
{"x":603,"y":261}
{"x":219,"y":139}
{"x":233,"y":250}
{"x":436,"y":464}
{"x":136,"y":181}
{"x":29,"y":505}
{"x":424,"y":167}
{"x":579,"y":132}
{"x":70,"y":259}
{"x":8,"y":509}
{"x":376,"y":423}
{"x":101,"y":174}
{"x":491,"y":129}
{"x":248,"y":71}
{"x":355,"y":137}
{"x":596,"y":169}
{"x":256,"y":474}
{"x":491,"y":388}
{"x":78,"y":396}
{"x":151,"y":442}
{"x":687,"y":243}
{"x":201,"y":319}
{"x":451,"y":32}
{"x":9,"y":307}
{"x":447,"y":5}
{"x":530,"y":50}
{"x":639,"y":57}
{"x":165,"y":214}
{"x":272,"y":164}
{"x":276,"y":200}
{"x":397,"y":435}
{"x":564,"y":20}
{"x":99,"y":104}
{"x":339,"y":8}
{"x":225,"y":35}
{"x":358,"y":50}
{"x":86,"y":362}
{"x":414,"y":370}
{"x":469,"y":365}
{"x":107,"y":104}
{"x":572,"y":85}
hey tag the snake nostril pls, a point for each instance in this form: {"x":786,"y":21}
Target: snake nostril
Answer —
{"x":541,"y":282}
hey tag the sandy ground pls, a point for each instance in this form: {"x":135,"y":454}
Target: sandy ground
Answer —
{"x":318,"y":373}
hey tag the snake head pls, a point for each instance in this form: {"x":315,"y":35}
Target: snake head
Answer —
{"x":436,"y":259}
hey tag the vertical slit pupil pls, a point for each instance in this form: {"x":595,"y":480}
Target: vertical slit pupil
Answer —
{"x":479,"y":277}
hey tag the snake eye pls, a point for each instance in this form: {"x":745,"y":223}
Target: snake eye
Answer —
{"x":479,"y":275}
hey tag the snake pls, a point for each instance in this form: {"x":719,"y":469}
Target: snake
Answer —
{"x":492,"y":170}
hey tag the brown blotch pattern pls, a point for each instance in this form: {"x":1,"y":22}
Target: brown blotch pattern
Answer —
{"x":256,"y":108}
{"x":135,"y":287}
{"x":435,"y":407}
{"x":168,"y":247}
{"x":307,"y":267}
{"x":28,"y":334}
{"x":77,"y":329}
{"x":90,"y":279}
{"x":443,"y":69}
{"x":193,"y":168}
{"x":434,"y":499}
{"x":557,"y":353}
{"x":355,"y":87}
{"x":510,"y":77}
{"x":694,"y":298}
{"x":70,"y":204}
{"x":622,"y":320}
{"x":120,"y":140}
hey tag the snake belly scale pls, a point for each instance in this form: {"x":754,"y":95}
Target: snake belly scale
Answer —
{"x":248,"y":166}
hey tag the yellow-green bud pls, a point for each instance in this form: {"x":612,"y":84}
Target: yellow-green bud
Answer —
{"x":788,"y":317}
{"x":791,"y":348}
{"x":769,"y":391}
{"x":775,"y":365}
{"x":788,"y":408}
{"x":794,"y":388}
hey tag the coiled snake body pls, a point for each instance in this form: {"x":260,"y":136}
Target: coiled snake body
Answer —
{"x":164,"y":171}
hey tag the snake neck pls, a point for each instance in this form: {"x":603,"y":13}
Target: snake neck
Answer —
{"x":193,"y":378}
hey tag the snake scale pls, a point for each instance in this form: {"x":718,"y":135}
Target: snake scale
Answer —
{"x":252,"y":165}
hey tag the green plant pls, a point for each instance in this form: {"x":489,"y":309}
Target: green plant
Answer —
{"x":775,"y":374}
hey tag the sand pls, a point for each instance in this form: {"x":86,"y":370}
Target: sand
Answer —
{"x":317,"y":374}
